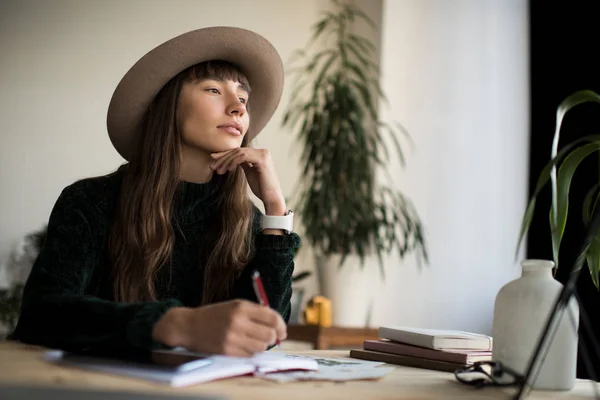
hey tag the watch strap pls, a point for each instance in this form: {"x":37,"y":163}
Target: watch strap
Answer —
{"x":284,"y":222}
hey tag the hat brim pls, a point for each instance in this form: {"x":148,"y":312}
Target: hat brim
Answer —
{"x":250,"y":52}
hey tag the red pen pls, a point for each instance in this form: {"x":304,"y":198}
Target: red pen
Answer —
{"x":259,"y":290}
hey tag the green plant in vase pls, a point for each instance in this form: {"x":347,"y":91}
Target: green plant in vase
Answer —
{"x":559,"y":171}
{"x":333,"y":111}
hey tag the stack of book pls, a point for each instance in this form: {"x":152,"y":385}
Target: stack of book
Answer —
{"x":443,"y":350}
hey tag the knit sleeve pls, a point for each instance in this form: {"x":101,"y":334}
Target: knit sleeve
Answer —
{"x":274,"y":260}
{"x":58,"y":309}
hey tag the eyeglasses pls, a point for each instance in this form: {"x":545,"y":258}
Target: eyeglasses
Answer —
{"x":488,"y":373}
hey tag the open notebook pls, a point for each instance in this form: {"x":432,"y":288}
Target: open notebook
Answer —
{"x":179,"y":367}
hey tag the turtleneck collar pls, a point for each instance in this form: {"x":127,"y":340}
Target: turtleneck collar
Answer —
{"x":197,"y":201}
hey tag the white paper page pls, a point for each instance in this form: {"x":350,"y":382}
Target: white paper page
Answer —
{"x":334,"y":369}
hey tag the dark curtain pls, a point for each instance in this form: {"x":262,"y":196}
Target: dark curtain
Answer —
{"x":564,"y":42}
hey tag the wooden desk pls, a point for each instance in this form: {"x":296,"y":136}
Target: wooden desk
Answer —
{"x":21,"y":364}
{"x":325,"y":338}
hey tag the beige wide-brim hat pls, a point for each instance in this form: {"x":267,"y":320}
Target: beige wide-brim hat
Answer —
{"x":250,"y":52}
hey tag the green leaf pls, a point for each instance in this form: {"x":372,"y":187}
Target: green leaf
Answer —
{"x":366,"y":45}
{"x":405,"y":132}
{"x":352,"y":10}
{"x":565,"y":176}
{"x":365,"y":97}
{"x":587,"y":208}
{"x":365,"y":62}
{"x":358,"y":72}
{"x":592,"y":255}
{"x":595,"y":205}
{"x":328,"y":19}
{"x":565,"y":106}
{"x":528,"y":216}
{"x":543,"y":179}
{"x":323,"y":72}
{"x":395,"y":141}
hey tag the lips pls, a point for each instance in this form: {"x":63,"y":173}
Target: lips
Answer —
{"x":234,"y":128}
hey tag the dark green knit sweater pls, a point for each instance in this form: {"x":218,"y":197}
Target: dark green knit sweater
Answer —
{"x":68,"y":298}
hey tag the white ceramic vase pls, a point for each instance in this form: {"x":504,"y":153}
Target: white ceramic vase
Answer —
{"x":349,"y":288}
{"x":521,"y":311}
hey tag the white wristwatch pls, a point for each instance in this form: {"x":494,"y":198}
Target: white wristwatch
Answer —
{"x":285,"y":222}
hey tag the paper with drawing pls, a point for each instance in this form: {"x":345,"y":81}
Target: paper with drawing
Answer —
{"x":333,"y":369}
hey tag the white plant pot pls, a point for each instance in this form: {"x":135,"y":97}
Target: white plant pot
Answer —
{"x":521,"y":311}
{"x":350,"y":289}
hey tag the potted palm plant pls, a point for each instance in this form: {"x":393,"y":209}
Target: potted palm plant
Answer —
{"x":559,"y":171}
{"x":523,"y":306}
{"x":346,"y":213}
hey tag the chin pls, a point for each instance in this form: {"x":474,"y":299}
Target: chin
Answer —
{"x":216,"y":146}
{"x":227,"y":145}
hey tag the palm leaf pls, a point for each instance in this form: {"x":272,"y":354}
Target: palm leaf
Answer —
{"x":565,"y":106}
{"x":366,"y":63}
{"x":352,"y":10}
{"x":589,"y":203}
{"x":592,"y":255}
{"x":543,"y":179}
{"x":363,"y":43}
{"x":563,"y":184}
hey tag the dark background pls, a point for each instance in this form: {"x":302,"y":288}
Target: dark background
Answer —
{"x":564,"y":42}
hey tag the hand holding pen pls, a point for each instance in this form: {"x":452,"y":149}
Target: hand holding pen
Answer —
{"x":239,"y":328}
{"x":260,"y":292}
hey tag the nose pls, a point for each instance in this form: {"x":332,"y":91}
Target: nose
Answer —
{"x":236,"y":107}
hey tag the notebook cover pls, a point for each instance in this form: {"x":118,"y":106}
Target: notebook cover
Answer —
{"x":406,"y":360}
{"x":453,"y":356}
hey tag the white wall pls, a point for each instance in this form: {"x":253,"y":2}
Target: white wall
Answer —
{"x":60,"y":60}
{"x":456,"y":75}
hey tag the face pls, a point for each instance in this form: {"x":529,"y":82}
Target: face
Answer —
{"x":212,"y":115}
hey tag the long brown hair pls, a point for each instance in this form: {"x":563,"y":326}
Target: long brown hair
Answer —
{"x":142,"y":237}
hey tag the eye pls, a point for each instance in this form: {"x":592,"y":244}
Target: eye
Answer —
{"x":243,"y":100}
{"x":213,"y":90}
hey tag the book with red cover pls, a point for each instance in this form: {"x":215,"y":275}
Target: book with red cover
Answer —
{"x":453,"y":356}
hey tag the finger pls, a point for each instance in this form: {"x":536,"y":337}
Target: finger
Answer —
{"x":252,"y":345}
{"x":229,"y":347}
{"x":238,"y":350}
{"x":281,"y":328}
{"x":240,"y":340}
{"x":218,"y":165}
{"x":268,"y":317}
{"x":250,"y":156}
{"x":234,"y":162}
{"x":260,"y":332}
{"x":220,"y":154}
{"x":234,"y":344}
{"x":227,"y":165}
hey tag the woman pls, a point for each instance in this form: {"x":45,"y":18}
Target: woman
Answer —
{"x":161,"y":252}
